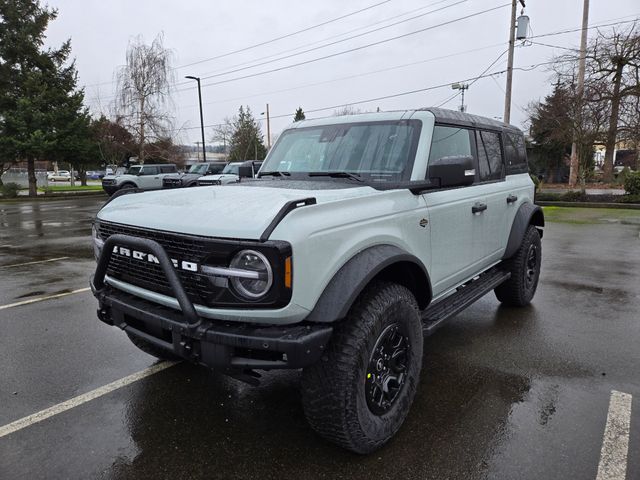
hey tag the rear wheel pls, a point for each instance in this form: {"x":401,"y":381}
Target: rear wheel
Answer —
{"x":524,"y":266}
{"x":360,"y":392}
{"x":151,"y":349}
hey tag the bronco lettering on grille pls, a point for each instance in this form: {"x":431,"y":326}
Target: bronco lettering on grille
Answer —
{"x":148,"y":257}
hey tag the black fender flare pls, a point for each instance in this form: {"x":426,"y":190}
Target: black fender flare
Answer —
{"x":385,"y":261}
{"x":527,"y":214}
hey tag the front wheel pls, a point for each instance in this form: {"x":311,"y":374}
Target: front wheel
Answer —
{"x":359,"y":393}
{"x":524,"y":266}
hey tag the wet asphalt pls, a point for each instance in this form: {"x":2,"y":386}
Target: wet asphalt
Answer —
{"x":505,"y":393}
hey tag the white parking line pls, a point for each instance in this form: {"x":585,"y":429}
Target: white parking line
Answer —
{"x":80,"y":399}
{"x":33,"y":263}
{"x":615,"y":444}
{"x":42,"y":299}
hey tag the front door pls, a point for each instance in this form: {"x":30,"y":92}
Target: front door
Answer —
{"x":456,"y":216}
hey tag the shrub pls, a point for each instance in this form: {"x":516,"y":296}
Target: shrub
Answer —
{"x":572,"y":196}
{"x":628,"y":199}
{"x":632,"y":183}
{"x":9,"y":190}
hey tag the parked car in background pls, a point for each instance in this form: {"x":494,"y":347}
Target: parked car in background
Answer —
{"x":61,"y":176}
{"x":230,"y":174}
{"x":144,"y":177}
{"x":190,"y":178}
{"x":96,"y":174}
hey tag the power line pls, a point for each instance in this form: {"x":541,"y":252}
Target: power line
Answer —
{"x":400,"y":94}
{"x":361,"y":47}
{"x":266,"y":42}
{"x":254,"y":65}
{"x":331,"y":37}
{"x":371,"y":72}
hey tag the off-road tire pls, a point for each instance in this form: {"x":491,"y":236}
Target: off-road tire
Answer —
{"x":334,"y":390}
{"x":128,"y":185}
{"x":519,"y":290}
{"x":151,"y":349}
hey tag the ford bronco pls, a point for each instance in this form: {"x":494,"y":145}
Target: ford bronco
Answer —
{"x":138,"y":177}
{"x":361,"y":235}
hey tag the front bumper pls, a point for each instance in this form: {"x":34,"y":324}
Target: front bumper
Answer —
{"x":213,"y":343}
{"x":110,"y":189}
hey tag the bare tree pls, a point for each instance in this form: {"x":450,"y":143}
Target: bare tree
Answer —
{"x":223,"y":132}
{"x":143,"y":100}
{"x":612,"y":64}
{"x":347,"y":110}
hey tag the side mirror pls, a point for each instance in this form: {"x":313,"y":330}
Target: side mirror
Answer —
{"x":455,"y":171}
{"x":245,"y":172}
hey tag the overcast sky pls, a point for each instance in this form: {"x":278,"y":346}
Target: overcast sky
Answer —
{"x":196,"y":30}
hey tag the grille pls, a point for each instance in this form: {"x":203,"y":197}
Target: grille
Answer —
{"x":172,"y":182}
{"x":150,"y":275}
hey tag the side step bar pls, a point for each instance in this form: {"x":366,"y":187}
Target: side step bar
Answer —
{"x":436,"y":314}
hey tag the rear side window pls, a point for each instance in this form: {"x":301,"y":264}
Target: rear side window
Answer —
{"x":515,"y":153}
{"x":490,"y":161}
{"x":167,"y":169}
{"x":147,"y":170}
{"x":449,"y":142}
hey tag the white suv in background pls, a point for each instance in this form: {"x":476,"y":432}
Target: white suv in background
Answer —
{"x":143,"y":177}
{"x":230,"y":174}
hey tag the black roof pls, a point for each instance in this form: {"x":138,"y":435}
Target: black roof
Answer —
{"x":466,"y":119}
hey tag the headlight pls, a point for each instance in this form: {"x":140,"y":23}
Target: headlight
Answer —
{"x":98,"y":243}
{"x":252,"y":261}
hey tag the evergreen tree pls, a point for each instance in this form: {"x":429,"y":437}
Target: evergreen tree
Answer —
{"x":299,"y":115}
{"x":42,"y":111}
{"x":247,"y":141}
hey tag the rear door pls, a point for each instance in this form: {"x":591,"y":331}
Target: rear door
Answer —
{"x":457,"y":233}
{"x":150,"y":177}
{"x":493,"y":187}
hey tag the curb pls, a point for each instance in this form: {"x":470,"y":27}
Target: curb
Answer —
{"x":620,"y":206}
{"x":58,"y":196}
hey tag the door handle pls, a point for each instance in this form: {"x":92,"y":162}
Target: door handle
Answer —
{"x":478,"y":207}
{"x":511,"y":198}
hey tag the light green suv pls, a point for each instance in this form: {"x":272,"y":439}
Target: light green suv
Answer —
{"x":361,"y":235}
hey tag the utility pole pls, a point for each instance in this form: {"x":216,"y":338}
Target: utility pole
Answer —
{"x":204,"y":150}
{"x":575,"y":163}
{"x":512,"y":43}
{"x":198,"y":149}
{"x":268,"y":127}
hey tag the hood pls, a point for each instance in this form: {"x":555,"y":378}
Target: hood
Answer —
{"x":241,"y":212}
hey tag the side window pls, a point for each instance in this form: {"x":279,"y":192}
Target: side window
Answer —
{"x":167,"y":169}
{"x":490,"y":162}
{"x":146,"y":170}
{"x":449,"y":142}
{"x":515,"y":153}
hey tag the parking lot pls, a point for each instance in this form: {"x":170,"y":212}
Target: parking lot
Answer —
{"x":505,"y":393}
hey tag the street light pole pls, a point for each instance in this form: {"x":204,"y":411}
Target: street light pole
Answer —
{"x":268,"y":129}
{"x":204,"y":150}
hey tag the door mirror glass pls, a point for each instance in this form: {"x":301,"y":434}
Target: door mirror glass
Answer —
{"x":453,"y":171}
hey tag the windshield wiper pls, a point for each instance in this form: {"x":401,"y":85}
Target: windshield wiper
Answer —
{"x":352,"y":176}
{"x":275,"y":173}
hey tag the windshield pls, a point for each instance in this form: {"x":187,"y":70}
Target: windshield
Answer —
{"x":200,"y":168}
{"x":231,"y":168}
{"x":379,"y":151}
{"x":134,"y":170}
